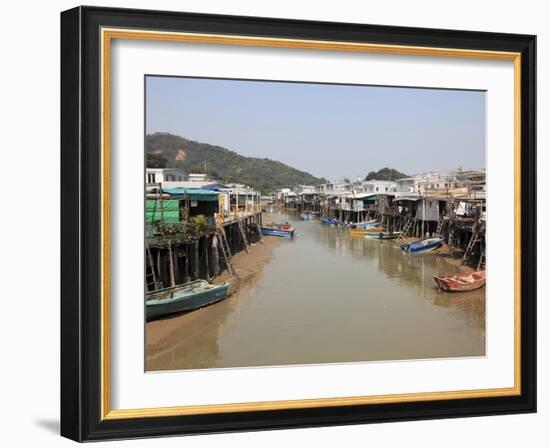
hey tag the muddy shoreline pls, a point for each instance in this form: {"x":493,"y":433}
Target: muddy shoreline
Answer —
{"x":246,"y":264}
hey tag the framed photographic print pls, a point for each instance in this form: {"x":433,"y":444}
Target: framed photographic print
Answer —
{"x":273,"y":223}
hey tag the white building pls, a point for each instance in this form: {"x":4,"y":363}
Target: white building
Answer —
{"x":282,"y":193}
{"x":437,"y":180}
{"x":405,"y":185}
{"x":333,"y":188}
{"x":380,"y":186}
{"x":198,"y":177}
{"x":305,"y":189}
{"x":163,"y":175}
{"x":238,"y":200}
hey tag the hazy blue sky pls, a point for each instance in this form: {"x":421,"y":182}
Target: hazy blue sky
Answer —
{"x":327,"y":130}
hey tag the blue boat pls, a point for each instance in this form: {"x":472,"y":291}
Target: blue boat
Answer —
{"x":330,"y":221}
{"x":283,"y":230}
{"x":419,"y":246}
{"x":187,"y":297}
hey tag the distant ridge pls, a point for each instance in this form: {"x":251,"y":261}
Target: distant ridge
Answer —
{"x":386,"y":174}
{"x":265,"y":175}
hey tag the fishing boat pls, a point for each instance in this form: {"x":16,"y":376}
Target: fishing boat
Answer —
{"x":383,"y":235}
{"x":283,"y":230}
{"x":186,"y":297}
{"x":463,"y":281}
{"x":330,"y":221}
{"x":364,"y":224}
{"x":420,"y":246}
{"x":375,"y":229}
{"x":306,"y":216}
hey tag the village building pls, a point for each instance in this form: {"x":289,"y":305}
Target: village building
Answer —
{"x":173,"y":205}
{"x":379,"y":186}
{"x":333,"y":188}
{"x":405,"y":185}
{"x":436,"y":181}
{"x":164,"y":175}
{"x":238,"y":200}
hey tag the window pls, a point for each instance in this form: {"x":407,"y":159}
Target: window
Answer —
{"x":386,"y":188}
{"x":376,"y":188}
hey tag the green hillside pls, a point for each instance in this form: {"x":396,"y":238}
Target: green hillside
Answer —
{"x":265,"y":175}
{"x":385,"y":174}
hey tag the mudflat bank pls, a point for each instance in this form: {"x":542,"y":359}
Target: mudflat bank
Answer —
{"x":246,"y":264}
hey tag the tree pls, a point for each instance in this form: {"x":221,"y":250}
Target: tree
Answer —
{"x":156,"y":160}
{"x":385,"y":174}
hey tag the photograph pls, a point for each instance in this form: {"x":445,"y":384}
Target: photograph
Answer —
{"x":301,"y":223}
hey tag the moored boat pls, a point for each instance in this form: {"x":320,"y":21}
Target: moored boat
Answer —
{"x":306,"y":216}
{"x":283,"y":230}
{"x":425,"y":245}
{"x":186,"y":297}
{"x":383,"y":235}
{"x":364,"y":224}
{"x":366,"y":231}
{"x":462,"y":281}
{"x":330,"y":221}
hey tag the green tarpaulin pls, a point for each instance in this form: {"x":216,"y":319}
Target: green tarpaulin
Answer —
{"x":168,"y":211}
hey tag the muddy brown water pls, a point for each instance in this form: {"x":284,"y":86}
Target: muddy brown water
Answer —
{"x":325,"y":297}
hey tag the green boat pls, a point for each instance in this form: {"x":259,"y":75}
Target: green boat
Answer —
{"x":187,"y":297}
{"x":383,"y":235}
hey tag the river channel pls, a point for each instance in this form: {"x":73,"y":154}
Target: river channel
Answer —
{"x":326,"y":297}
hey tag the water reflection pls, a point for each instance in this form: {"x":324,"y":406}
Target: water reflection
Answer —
{"x":327,"y":297}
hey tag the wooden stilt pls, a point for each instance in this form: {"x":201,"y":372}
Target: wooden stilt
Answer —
{"x":196,"y":259}
{"x":171,"y":264}
{"x":206,"y":261}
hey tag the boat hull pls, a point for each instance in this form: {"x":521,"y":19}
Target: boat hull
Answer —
{"x":365,"y":225}
{"x":278,"y":232}
{"x":371,"y":230}
{"x":422,"y":246}
{"x":461,"y":282}
{"x":383,"y":235}
{"x":160,"y":307}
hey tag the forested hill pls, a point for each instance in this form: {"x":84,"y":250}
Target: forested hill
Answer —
{"x":266,"y":175}
{"x":385,"y":174}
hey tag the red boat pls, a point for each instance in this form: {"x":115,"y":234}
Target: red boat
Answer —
{"x":462,"y":281}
